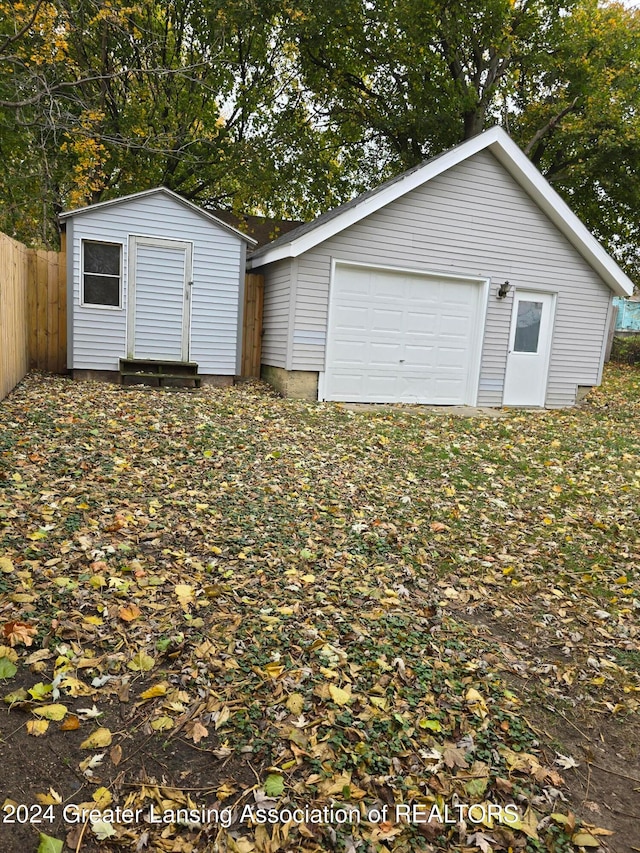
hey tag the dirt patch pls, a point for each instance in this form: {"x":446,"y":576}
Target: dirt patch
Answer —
{"x":165,"y":767}
{"x":603,"y":790}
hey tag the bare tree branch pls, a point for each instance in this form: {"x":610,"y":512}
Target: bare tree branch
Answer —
{"x":549,"y":126}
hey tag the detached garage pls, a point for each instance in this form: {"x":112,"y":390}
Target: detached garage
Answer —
{"x":155,"y":290}
{"x":466,"y":280}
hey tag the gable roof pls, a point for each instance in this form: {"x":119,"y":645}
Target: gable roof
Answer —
{"x":159,"y":191}
{"x":516,"y":163}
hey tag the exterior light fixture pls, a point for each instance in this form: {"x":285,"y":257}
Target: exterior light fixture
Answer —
{"x":503,"y":290}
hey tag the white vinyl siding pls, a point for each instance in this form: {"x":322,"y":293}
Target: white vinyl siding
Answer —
{"x":99,"y":337}
{"x":472,"y":220}
{"x":277,"y":294}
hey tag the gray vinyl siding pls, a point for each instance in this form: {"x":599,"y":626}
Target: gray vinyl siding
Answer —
{"x":472,"y":220}
{"x":99,"y":336}
{"x":277,"y":295}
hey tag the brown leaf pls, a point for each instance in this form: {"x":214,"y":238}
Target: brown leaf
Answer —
{"x":115,"y":754}
{"x":20,"y":632}
{"x":196,"y":731}
{"x":129,"y":612}
{"x":70,"y":724}
{"x":454,"y":757}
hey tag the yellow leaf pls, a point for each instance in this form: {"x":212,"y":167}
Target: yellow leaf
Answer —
{"x":102,"y":797}
{"x":37,"y":727}
{"x":585,"y":839}
{"x":295,"y":704}
{"x":184,"y":592}
{"x":308,"y":578}
{"x":75,"y":687}
{"x":94,"y":620}
{"x":161,"y":724}
{"x":51,"y":712}
{"x":142,"y":662}
{"x":53,"y":798}
{"x":6,"y":565}
{"x":340,"y":696}
{"x":159,"y":689}
{"x":274,"y":669}
{"x":101,"y":737}
{"x":222,"y":717}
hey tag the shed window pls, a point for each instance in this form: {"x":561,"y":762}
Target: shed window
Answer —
{"x":101,"y":273}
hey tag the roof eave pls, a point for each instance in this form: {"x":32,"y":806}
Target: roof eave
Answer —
{"x":165,"y":191}
{"x":519,"y":167}
{"x":538,"y":188}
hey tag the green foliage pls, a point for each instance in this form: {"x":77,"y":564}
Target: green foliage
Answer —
{"x":626,"y":350}
{"x":288,"y":110}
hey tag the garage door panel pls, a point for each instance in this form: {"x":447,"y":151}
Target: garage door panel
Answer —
{"x":401,"y":337}
{"x":418,"y":356}
{"x":385,"y":320}
{"x":352,"y":318}
{"x":350,"y":352}
{"x":382,"y":287}
{"x":421,"y":322}
{"x":388,"y":355}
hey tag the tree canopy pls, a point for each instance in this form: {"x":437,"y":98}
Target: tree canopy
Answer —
{"x":287,"y":109}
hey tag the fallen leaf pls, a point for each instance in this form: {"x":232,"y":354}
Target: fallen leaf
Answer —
{"x":101,"y":737}
{"x":55,"y":712}
{"x":274,"y":785}
{"x":142,"y":662}
{"x":129,"y":612}
{"x":20,"y":633}
{"x":37,"y":727}
{"x":48,"y":844}
{"x":340,"y":696}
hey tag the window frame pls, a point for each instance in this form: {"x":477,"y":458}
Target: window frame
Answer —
{"x":98,"y":305}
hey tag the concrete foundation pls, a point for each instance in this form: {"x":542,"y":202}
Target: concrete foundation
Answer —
{"x":217,"y":381}
{"x":298,"y":384}
{"x":582,"y":392}
{"x":96,"y":376}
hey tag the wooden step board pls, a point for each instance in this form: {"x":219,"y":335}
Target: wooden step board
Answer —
{"x":160,"y":373}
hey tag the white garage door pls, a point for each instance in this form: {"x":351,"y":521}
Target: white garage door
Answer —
{"x":402,"y":337}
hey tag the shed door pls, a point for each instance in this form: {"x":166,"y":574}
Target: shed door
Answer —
{"x":525,"y":381}
{"x":159,"y":298}
{"x":403,"y":337}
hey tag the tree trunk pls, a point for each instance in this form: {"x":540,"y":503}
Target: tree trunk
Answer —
{"x":474,"y":121}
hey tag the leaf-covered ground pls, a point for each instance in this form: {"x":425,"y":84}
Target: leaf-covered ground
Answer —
{"x":221,"y":599}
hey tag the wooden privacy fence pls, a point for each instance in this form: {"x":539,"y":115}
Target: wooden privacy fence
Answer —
{"x":47,"y":310}
{"x":33,"y":312}
{"x":252,"y":325}
{"x":14,"y":337}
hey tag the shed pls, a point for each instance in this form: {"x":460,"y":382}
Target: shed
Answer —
{"x":628,"y":315}
{"x":466,"y":280}
{"x":155,"y":285}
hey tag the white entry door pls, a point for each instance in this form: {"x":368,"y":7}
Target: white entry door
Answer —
{"x":529,"y":349}
{"x":401,"y":336}
{"x":159,"y":299}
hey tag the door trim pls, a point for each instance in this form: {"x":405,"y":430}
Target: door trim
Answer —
{"x":483,"y":284}
{"x":136,"y":240}
{"x":524,"y":291}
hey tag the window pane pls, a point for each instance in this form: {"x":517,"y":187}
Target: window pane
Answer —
{"x":101,"y":290}
{"x":528,"y":326}
{"x":102,"y":258}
